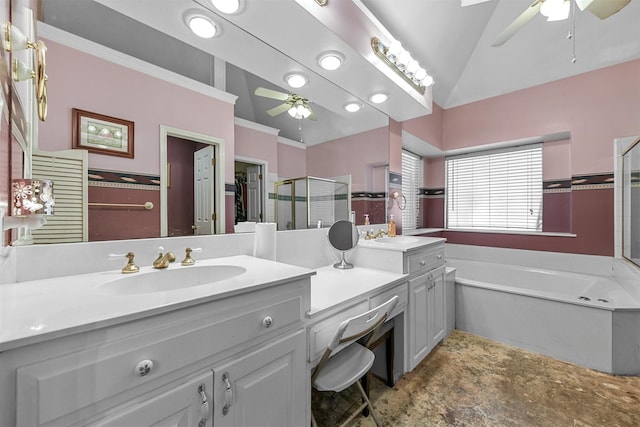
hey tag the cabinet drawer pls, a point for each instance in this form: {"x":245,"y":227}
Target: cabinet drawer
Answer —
{"x":426,"y":260}
{"x":321,"y":332}
{"x":61,"y":387}
{"x":401,"y":291}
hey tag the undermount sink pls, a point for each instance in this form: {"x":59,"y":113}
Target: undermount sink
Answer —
{"x":397,"y":239}
{"x":170,"y":279}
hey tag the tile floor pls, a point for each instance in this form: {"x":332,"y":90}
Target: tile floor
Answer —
{"x":472,"y":381}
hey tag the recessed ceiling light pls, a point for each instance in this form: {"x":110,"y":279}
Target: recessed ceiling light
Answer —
{"x":202,"y":26}
{"x":378,"y":98}
{"x":331,"y":61}
{"x":295,"y":80}
{"x":353,"y":107}
{"x":226,"y":6}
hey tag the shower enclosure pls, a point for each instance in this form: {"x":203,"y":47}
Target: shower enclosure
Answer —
{"x":310,"y":202}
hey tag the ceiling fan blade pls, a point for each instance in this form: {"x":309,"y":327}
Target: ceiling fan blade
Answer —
{"x":273,"y":94}
{"x":602,"y":8}
{"x":278,"y":110}
{"x":520,"y":22}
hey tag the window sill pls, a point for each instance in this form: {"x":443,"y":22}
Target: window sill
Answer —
{"x":519,"y":232}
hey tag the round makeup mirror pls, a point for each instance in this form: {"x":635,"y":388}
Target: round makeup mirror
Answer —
{"x":343,"y":235}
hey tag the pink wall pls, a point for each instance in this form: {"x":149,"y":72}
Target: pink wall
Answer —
{"x":83,"y":81}
{"x":427,"y":128}
{"x":395,"y":146}
{"x":596,"y":107}
{"x":256,"y":145}
{"x":356,"y":154}
{"x":292,"y":161}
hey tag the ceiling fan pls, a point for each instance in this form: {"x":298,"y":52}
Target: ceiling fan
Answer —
{"x":556,"y":10}
{"x":297,"y":106}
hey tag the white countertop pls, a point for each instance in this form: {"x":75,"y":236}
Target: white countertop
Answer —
{"x":49,"y":308}
{"x":400,"y":243}
{"x":331,"y":286}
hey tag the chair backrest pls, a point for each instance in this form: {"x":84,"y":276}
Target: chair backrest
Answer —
{"x":355,"y":328}
{"x":359,"y":326}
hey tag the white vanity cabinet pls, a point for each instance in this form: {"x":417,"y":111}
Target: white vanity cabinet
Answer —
{"x":425,"y":266}
{"x":239,"y":360}
{"x":427,"y":314}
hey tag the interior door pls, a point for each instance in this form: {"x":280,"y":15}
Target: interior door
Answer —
{"x":203,"y":190}
{"x":254,"y":193}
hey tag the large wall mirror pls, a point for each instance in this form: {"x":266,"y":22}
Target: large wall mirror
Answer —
{"x":86,"y":78}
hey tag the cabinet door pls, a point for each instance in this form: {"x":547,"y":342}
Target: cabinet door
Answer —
{"x":419,"y":342}
{"x":266,"y":387}
{"x":436,"y":307}
{"x":183,"y":405}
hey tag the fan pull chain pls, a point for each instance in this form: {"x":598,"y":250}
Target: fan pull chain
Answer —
{"x":572,"y":32}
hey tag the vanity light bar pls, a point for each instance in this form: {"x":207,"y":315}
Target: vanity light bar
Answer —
{"x":408,"y":71}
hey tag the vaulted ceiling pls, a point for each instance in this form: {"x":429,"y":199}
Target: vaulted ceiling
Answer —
{"x":268,"y":39}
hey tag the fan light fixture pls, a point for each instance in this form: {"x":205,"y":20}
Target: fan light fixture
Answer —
{"x":353,"y":107}
{"x":295,"y":80}
{"x":202,"y":26}
{"x":331,"y":61}
{"x":226,"y":6}
{"x":400,"y":61}
{"x":299,"y":111}
{"x":378,"y":98}
{"x":555,"y":10}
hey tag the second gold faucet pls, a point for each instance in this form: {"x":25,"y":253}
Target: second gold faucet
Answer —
{"x":164,"y":260}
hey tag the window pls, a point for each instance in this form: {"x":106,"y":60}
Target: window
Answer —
{"x":495,"y":190}
{"x":412,"y":178}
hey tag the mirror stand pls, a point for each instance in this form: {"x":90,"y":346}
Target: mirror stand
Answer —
{"x":343,"y":236}
{"x":343,"y":264}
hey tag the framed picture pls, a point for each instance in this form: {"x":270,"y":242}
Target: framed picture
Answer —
{"x":102,"y":134}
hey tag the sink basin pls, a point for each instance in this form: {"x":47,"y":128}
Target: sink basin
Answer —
{"x":397,"y":240}
{"x":170,"y":279}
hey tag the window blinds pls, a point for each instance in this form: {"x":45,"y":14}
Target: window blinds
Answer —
{"x":412,"y":178}
{"x":498,"y":189}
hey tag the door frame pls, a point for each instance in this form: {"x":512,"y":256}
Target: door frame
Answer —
{"x":218,"y":143}
{"x":265,"y":174}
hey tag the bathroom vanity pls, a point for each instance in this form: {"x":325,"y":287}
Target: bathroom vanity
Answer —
{"x":423,"y":260}
{"x":207,"y":354}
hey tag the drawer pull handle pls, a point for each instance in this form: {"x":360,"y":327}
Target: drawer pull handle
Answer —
{"x":439,"y":256}
{"x":267,"y":322}
{"x":228,"y":394}
{"x":423,"y":263}
{"x":144,"y":367}
{"x":204,"y":407}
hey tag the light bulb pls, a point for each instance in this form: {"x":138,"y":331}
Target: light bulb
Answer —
{"x":296,"y":80}
{"x":420,"y":74}
{"x":353,"y":107}
{"x":226,"y":6}
{"x":412,"y":66}
{"x":403,"y":59}
{"x":378,"y":98}
{"x":330,"y":61}
{"x":202,"y":27}
{"x":394,"y":49}
{"x":555,"y":10}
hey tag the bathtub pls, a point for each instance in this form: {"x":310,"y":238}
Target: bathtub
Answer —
{"x":585,"y":319}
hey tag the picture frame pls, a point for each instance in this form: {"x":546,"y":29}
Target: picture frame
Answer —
{"x":102,"y":134}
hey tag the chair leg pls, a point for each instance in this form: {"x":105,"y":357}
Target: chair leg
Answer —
{"x":366,"y":384}
{"x":366,"y":399}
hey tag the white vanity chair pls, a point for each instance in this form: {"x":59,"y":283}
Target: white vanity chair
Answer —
{"x":345,"y":361}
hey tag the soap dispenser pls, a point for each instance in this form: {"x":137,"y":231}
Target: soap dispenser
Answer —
{"x":366,"y":219}
{"x":392,"y":227}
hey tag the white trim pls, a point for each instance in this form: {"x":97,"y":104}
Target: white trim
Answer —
{"x":265,"y":173}
{"x":558,"y":136}
{"x":255,"y":126}
{"x":522,"y":232}
{"x":72,"y":41}
{"x":218,"y":144}
{"x":291,"y":142}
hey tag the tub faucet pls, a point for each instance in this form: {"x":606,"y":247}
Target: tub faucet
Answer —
{"x":163,"y":260}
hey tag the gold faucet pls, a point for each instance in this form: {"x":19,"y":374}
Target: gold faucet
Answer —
{"x":371,"y":235}
{"x":163,"y":260}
